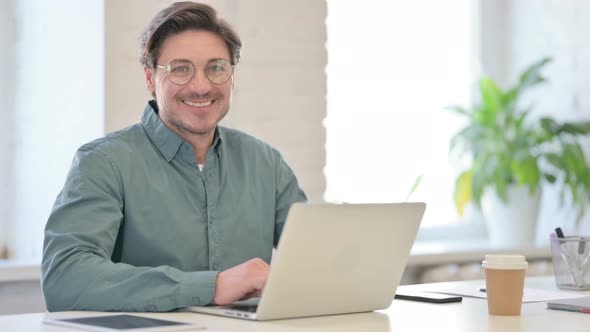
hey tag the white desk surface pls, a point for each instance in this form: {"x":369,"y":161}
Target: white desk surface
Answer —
{"x":470,"y":315}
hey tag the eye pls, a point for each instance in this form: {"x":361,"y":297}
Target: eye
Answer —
{"x":180,"y":69}
{"x":215,"y":68}
{"x":218,"y":66}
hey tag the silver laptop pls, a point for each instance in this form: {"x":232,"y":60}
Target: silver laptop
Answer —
{"x":334,"y":259}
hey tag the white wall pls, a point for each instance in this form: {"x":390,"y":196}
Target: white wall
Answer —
{"x":281,"y":84}
{"x":558,"y":29}
{"x":57,"y":106}
{"x":7,"y":78}
{"x":494,"y":39}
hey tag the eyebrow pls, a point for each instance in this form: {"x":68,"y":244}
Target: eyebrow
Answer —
{"x":210,"y":60}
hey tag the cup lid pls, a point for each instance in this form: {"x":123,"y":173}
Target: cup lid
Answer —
{"x":505,"y":262}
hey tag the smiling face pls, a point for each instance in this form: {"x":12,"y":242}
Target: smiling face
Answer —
{"x":196,"y":107}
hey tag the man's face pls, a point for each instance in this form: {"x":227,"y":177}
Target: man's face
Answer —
{"x":197,"y":106}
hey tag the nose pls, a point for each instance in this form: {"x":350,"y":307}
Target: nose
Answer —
{"x":200,"y":84}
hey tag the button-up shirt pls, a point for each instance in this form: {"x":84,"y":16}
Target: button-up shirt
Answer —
{"x":138,"y":227}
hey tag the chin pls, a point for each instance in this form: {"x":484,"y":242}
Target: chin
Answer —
{"x":201,"y":130}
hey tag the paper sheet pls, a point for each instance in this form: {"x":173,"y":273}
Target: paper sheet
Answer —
{"x":529,"y":295}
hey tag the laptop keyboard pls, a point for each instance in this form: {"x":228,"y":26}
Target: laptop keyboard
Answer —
{"x":247,"y":308}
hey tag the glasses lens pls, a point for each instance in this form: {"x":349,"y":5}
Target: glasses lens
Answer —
{"x":180,"y":71}
{"x":219,"y":71}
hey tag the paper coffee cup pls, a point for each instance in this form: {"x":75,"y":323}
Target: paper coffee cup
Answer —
{"x":504,"y":283}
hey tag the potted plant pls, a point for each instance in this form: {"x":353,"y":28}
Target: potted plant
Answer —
{"x":513,"y":153}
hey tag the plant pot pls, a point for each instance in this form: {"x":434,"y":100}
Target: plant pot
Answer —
{"x":511,"y":224}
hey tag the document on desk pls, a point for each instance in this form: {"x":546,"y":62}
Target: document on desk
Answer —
{"x":529,"y":295}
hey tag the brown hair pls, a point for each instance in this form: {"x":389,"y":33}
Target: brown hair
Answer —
{"x":180,"y":17}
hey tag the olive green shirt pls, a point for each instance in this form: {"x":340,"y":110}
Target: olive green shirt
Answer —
{"x":138,"y":227}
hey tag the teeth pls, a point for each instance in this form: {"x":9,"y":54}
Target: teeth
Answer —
{"x":195,"y":104}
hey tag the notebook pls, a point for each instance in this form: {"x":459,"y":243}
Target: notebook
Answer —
{"x":580,"y":304}
{"x":334,"y":259}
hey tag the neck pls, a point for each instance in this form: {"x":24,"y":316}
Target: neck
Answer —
{"x":199,"y":141}
{"x":201,"y":144}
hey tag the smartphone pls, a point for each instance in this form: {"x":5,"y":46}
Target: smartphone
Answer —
{"x":428,"y":297}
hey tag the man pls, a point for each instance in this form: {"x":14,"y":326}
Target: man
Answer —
{"x":176,"y":210}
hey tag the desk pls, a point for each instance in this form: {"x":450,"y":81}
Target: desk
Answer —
{"x":470,"y":315}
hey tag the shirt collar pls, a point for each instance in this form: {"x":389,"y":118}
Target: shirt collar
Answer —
{"x":166,"y":140}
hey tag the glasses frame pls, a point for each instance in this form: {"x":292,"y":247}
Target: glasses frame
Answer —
{"x":167,"y":70}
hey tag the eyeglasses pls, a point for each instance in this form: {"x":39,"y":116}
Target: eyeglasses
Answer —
{"x":180,"y":72}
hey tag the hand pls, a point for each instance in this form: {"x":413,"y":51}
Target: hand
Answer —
{"x":241,"y":282}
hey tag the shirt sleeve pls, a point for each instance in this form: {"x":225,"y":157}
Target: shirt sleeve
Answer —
{"x":288,"y":192}
{"x":77,"y":270}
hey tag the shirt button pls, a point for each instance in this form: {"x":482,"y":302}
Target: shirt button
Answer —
{"x":185,"y":148}
{"x":196,"y":300}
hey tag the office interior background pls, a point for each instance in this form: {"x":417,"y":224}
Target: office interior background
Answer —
{"x":351,"y":92}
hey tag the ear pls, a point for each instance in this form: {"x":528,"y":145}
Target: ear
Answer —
{"x":149,"y":80}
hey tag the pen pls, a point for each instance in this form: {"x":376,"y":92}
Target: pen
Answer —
{"x":581,"y":246}
{"x":559,"y":233}
{"x":584,"y":311}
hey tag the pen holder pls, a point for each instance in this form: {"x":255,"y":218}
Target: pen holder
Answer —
{"x":571,"y":262}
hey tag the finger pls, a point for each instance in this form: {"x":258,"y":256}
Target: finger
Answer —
{"x":260,"y":280}
{"x":259,"y":293}
{"x":250,"y":295}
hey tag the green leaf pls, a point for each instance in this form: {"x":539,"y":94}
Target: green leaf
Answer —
{"x":466,"y":136}
{"x":550,"y":178}
{"x":458,"y":110}
{"x":527,"y":172}
{"x":463,"y":191}
{"x":575,"y":128}
{"x":573,"y":158}
{"x":414,"y":186}
{"x":549,"y":125}
{"x":501,"y":189}
{"x":510,"y":97}
{"x":520,"y":120}
{"x":573,"y":189}
{"x":532,"y":76}
{"x":555,"y":160}
{"x":491,"y":96}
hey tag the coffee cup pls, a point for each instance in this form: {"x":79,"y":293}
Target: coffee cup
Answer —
{"x":504,"y":283}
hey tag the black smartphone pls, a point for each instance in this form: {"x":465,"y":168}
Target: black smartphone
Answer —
{"x":428,"y":297}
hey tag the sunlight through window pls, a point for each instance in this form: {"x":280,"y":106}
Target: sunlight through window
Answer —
{"x":392,"y":68}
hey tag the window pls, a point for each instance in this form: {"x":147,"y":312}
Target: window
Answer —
{"x":54,"y":78}
{"x":392,"y":68}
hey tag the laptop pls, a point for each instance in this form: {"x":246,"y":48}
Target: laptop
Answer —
{"x":334,"y":259}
